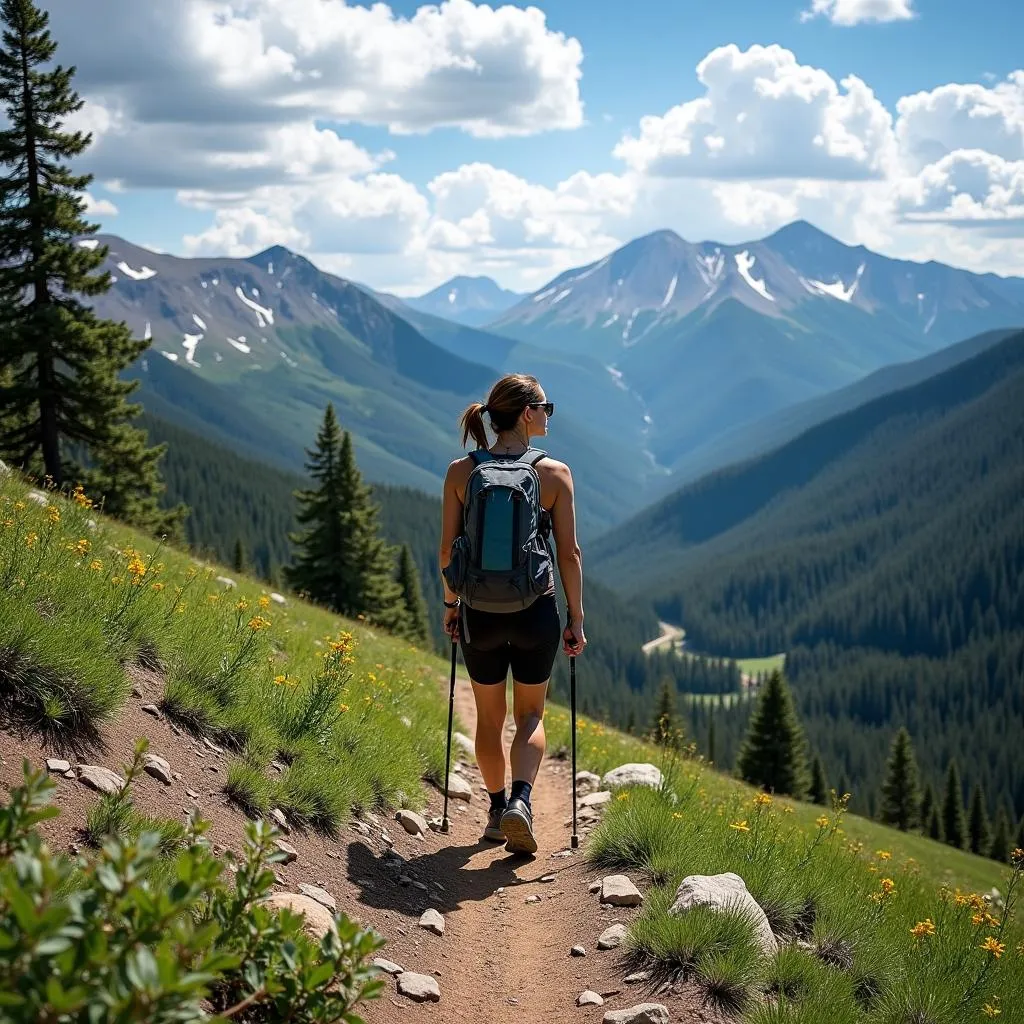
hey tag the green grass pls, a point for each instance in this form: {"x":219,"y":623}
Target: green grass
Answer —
{"x":753,"y":666}
{"x":292,"y":683}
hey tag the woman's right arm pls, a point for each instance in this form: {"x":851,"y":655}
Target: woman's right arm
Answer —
{"x":451,"y":527}
{"x":570,"y":559}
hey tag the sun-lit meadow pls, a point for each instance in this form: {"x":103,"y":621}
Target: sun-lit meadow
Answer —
{"x":322,"y":717}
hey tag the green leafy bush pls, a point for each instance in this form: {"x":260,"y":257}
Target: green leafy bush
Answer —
{"x":119,"y":938}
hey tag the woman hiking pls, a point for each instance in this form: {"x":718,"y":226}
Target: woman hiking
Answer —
{"x":524,"y":639}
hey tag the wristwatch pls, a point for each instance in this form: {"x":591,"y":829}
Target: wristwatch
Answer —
{"x":453,"y":604}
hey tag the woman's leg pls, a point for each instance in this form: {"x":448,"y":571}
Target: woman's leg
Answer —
{"x":528,"y":745}
{"x":490,"y":720}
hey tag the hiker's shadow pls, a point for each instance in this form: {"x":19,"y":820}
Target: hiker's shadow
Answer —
{"x":449,"y":879}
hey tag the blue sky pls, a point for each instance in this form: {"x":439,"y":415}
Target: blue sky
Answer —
{"x":223,"y":135}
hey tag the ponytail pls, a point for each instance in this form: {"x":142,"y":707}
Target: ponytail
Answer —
{"x":473,"y":424}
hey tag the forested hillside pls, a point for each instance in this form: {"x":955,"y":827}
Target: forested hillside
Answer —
{"x":238,"y":500}
{"x":884,"y":552}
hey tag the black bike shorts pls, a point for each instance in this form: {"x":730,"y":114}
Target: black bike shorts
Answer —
{"x":526,"y":640}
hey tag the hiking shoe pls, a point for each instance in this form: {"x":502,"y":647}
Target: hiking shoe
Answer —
{"x":493,"y":829}
{"x":517,"y":824}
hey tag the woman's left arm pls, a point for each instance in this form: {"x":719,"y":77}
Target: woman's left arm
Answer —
{"x":451,"y":527}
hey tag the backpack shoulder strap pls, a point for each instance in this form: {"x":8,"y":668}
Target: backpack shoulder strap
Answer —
{"x":479,"y":455}
{"x":532,"y":456}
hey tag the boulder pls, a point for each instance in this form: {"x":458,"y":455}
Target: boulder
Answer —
{"x":103,"y":780}
{"x":277,"y":598}
{"x":55,"y":764}
{"x":619,"y":891}
{"x":726,"y":891}
{"x":38,"y":497}
{"x":157,"y":766}
{"x":277,"y":816}
{"x":289,"y":851}
{"x":464,"y":743}
{"x":589,"y":998}
{"x":644,"y":1013}
{"x":226,"y":581}
{"x":322,"y":896}
{"x":387,"y":966}
{"x":611,"y":937}
{"x":459,"y":788}
{"x":319,"y":920}
{"x":419,"y":987}
{"x":432,"y":921}
{"x":632,"y":774}
{"x":152,"y":709}
{"x":578,"y":951}
{"x":597,"y":799}
{"x":413,"y":823}
{"x":587,"y":782}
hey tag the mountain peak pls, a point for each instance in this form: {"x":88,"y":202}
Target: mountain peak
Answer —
{"x":801,"y":232}
{"x":470,"y":300}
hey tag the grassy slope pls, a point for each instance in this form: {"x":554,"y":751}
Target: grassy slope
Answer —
{"x":389,"y":675}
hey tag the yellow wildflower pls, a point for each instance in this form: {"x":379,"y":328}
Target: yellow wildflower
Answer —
{"x":994,"y":946}
{"x":787,"y":809}
{"x":676,"y":814}
{"x":740,"y":826}
{"x":137,"y":567}
{"x":992,"y":1009}
{"x":53,"y":513}
{"x":762,"y":800}
{"x":80,"y":499}
{"x":888,"y":886}
{"x":115,"y":581}
{"x":257,"y":623}
{"x":821,"y":821}
{"x":30,"y":539}
{"x":212,"y":598}
{"x":343,"y":708}
{"x":280,"y":680}
{"x":264,"y":602}
{"x":19,"y":506}
{"x":883,"y":854}
{"x":96,"y":565}
{"x":623,"y":796}
{"x":242,"y":605}
{"x":1017,"y":858}
{"x":157,"y":586}
{"x":81,"y":547}
{"x":923,"y":928}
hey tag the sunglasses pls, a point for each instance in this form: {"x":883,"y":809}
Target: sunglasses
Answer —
{"x":548,"y":407}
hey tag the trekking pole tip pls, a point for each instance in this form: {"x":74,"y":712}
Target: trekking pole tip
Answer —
{"x":446,"y":826}
{"x":575,"y":842}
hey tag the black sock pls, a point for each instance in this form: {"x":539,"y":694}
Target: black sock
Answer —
{"x":521,"y":791}
{"x":498,"y":800}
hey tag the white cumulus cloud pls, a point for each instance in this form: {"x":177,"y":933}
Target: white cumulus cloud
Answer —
{"x":764,"y":115}
{"x":854,"y":12}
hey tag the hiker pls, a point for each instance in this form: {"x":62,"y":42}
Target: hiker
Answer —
{"x":507,"y":616}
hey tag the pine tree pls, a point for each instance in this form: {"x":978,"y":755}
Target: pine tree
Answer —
{"x":901,"y":793}
{"x":934,"y":826}
{"x":414,"y":624}
{"x":819,"y":783}
{"x":711,"y":737}
{"x":773,"y":753}
{"x":928,"y":804}
{"x":999,"y":849}
{"x":341,"y":561}
{"x":666,"y":725}
{"x":239,"y":561}
{"x":59,"y":364}
{"x":954,"y":825}
{"x":978,"y":830}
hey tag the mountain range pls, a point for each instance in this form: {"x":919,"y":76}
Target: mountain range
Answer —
{"x":665,"y":359}
{"x":473,"y":301}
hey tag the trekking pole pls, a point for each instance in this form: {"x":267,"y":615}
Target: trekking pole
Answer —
{"x":445,"y":823}
{"x":575,"y":842}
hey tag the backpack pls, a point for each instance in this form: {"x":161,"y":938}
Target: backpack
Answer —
{"x":501,"y":561}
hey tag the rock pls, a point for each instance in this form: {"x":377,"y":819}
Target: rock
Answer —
{"x":432,"y":921}
{"x":619,"y":891}
{"x":548,"y":878}
{"x":597,"y":799}
{"x":464,"y":743}
{"x":587,"y":782}
{"x":55,"y":764}
{"x":137,"y":691}
{"x":459,"y":788}
{"x":38,"y":497}
{"x":209,"y":744}
{"x":578,"y":951}
{"x":91,"y":524}
{"x":637,"y":976}
{"x":611,"y":937}
{"x":151,"y":709}
{"x":157,"y":766}
{"x":289,"y":851}
{"x":192,"y":794}
{"x":319,"y":920}
{"x":4,"y":468}
{"x":322,"y":896}
{"x":277,"y":816}
{"x":278,"y":767}
{"x":419,"y":987}
{"x":277,"y":598}
{"x":406,"y":721}
{"x":533,"y":899}
{"x":413,"y":823}
{"x":726,"y":891}
{"x":227,"y":581}
{"x":103,"y":780}
{"x":632,"y":774}
{"x":361,"y":827}
{"x":387,"y":966}
{"x":644,"y":1013}
{"x":594,"y":886}
{"x":588,"y":998}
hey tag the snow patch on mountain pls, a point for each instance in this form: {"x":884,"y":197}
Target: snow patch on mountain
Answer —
{"x":88,"y":243}
{"x":147,"y":334}
{"x":837,"y":290}
{"x":264,"y":315}
{"x":136,"y":275}
{"x":610,"y":320}
{"x":240,"y":344}
{"x":541,"y":296}
{"x":199,"y":322}
{"x":711,"y":268}
{"x":671,"y":290}
{"x":561,"y":295}
{"x":173,"y":356}
{"x":629,"y":325}
{"x":452,"y":296}
{"x":590,"y":270}
{"x":190,"y":344}
{"x":744,"y":263}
